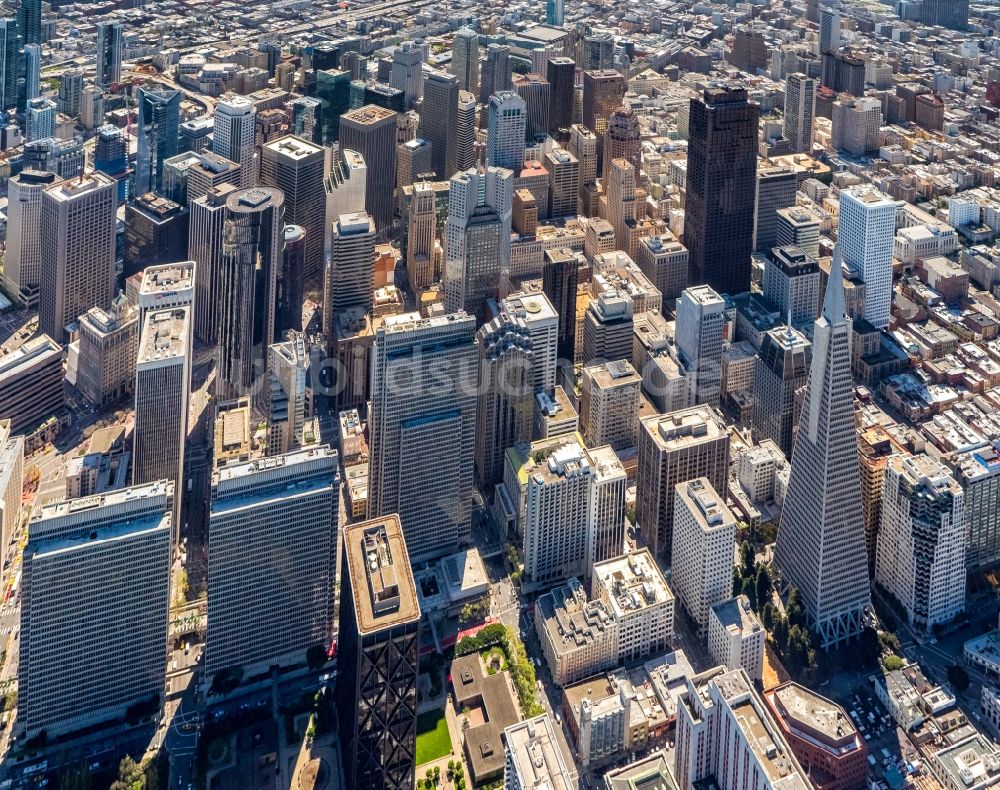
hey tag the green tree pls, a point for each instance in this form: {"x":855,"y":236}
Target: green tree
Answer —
{"x":780,"y":632}
{"x":892,"y":663}
{"x":798,"y":648}
{"x":767,"y":616}
{"x":888,"y":642}
{"x":794,"y":610}
{"x":762,"y":585}
{"x":75,"y":778}
{"x":135,"y":776}
{"x":750,"y":591}
{"x":748,"y":562}
{"x":737,"y":582}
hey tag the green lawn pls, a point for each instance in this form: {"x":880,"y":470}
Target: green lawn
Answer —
{"x":433,"y":740}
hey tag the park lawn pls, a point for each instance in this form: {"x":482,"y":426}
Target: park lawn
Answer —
{"x":433,"y":740}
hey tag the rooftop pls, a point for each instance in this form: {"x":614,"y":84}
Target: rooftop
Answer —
{"x":379,"y":571}
{"x":816,"y":719}
{"x":167,"y":278}
{"x":736,"y":616}
{"x":631,"y":583}
{"x":536,"y":755}
{"x":685,"y":427}
{"x":166,"y":335}
{"x":294,"y":148}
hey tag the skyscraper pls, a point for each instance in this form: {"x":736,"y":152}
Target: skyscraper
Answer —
{"x":505,"y":134}
{"x":29,"y":21}
{"x":700,"y":324}
{"x":291,"y":281}
{"x":380,"y":654}
{"x":555,"y":12}
{"x":465,"y":131}
{"x":253,"y":235}
{"x":77,"y":250}
{"x":480,"y":205}
{"x":506,"y":402}
{"x":621,"y":141}
{"x":776,"y":188}
{"x":371,"y":131}
{"x":439,"y":121}
{"x":673,"y":448}
{"x":345,"y":187}
{"x":22,"y":265}
{"x":297,"y":167}
{"x":9,"y":63}
{"x":537,"y":94}
{"x":108,"y":69}
{"x":782,"y":367}
{"x":560,"y":275}
{"x":821,"y":538}
{"x":206,"y":229}
{"x":32,"y":72}
{"x":90,"y":565}
{"x":496,"y":73}
{"x":603,"y":91}
{"x":351,"y":274}
{"x":920,"y":558}
{"x":465,"y":59}
{"x":561,"y":75}
{"x":272,"y":547}
{"x":406,"y":73}
{"x":162,"y":387}
{"x":333,"y":89}
{"x":421,"y":237}
{"x":829,"y":30}
{"x":866,"y":236}
{"x":287,"y":420}
{"x":40,"y":119}
{"x":157,"y":130}
{"x":721,"y":182}
{"x":233,"y":134}
{"x":953,"y":14}
{"x":422,"y":428}
{"x":800,"y":112}
{"x":791,"y":283}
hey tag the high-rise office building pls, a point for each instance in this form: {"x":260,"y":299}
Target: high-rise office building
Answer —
{"x":555,"y":12}
{"x":800,"y":112}
{"x":91,"y":565}
{"x":272,"y":548}
{"x":162,"y":388}
{"x":603,"y":91}
{"x":564,"y":183}
{"x":701,"y":574}
{"x":253,"y":235}
{"x":465,"y":59}
{"x":700,"y":324}
{"x":843,"y":72}
{"x":11,"y":481}
{"x":920,"y":558}
{"x":821,"y":538}
{"x":506,"y":403}
{"x":540,"y":317}
{"x":29,"y":21}
{"x":9,"y":63}
{"x":296,"y":167}
{"x":32,"y":54}
{"x":156,"y":230}
{"x":608,"y":327}
{"x":978,"y":472}
{"x":379,"y":645}
{"x":289,"y":401}
{"x":791,"y":283}
{"x":856,"y":125}
{"x":108,"y":340}
{"x":561,"y":75}
{"x":798,"y":227}
{"x":345,"y":186}
{"x":536,"y":92}
{"x":157,"y":130}
{"x":776,"y":188}
{"x":782,"y":368}
{"x":439,"y":121}
{"x":165,"y":286}
{"x":609,"y":404}
{"x":496,"y":74}
{"x":953,"y":14}
{"x":595,"y":51}
{"x":78,"y":249}
{"x":721,"y":183}
{"x":505,"y":134}
{"x":40,"y":119}
{"x":665,"y":263}
{"x":351,"y":274}
{"x":866,"y":236}
{"x":371,"y":132}
{"x":22,"y":270}
{"x":414,"y":160}
{"x":208,"y":171}
{"x":233,"y":134}
{"x":621,"y":141}
{"x":422,"y":428}
{"x":673,"y":448}
{"x":421,"y":237}
{"x":291,"y":281}
{"x":560,"y":275}
{"x":406,"y":73}
{"x":534,"y":757}
{"x":206,"y":228}
{"x":333,"y":89}
{"x":465,"y":131}
{"x":70,"y":94}
{"x":110,"y":45}
{"x":829,"y":30}
{"x":480,"y":203}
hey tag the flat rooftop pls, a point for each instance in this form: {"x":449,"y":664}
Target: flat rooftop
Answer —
{"x":632,"y":582}
{"x":165,"y":335}
{"x":20,"y":359}
{"x":815,"y":718}
{"x":685,"y":427}
{"x":167,"y":277}
{"x":378,"y":567}
{"x":533,"y":749}
{"x":736,"y":615}
{"x":294,"y":148}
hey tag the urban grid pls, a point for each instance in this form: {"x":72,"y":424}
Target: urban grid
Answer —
{"x":458,"y":395}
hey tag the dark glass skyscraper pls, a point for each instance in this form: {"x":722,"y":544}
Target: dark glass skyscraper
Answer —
{"x":721,"y":181}
{"x":9,"y":62}
{"x":29,"y":21}
{"x":159,"y":119}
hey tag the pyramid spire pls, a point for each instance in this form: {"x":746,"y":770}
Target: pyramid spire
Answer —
{"x":834,"y":309}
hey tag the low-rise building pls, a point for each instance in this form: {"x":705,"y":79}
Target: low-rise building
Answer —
{"x":579,"y":638}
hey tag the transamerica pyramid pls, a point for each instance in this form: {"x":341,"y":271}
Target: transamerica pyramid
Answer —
{"x":821,"y":537}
